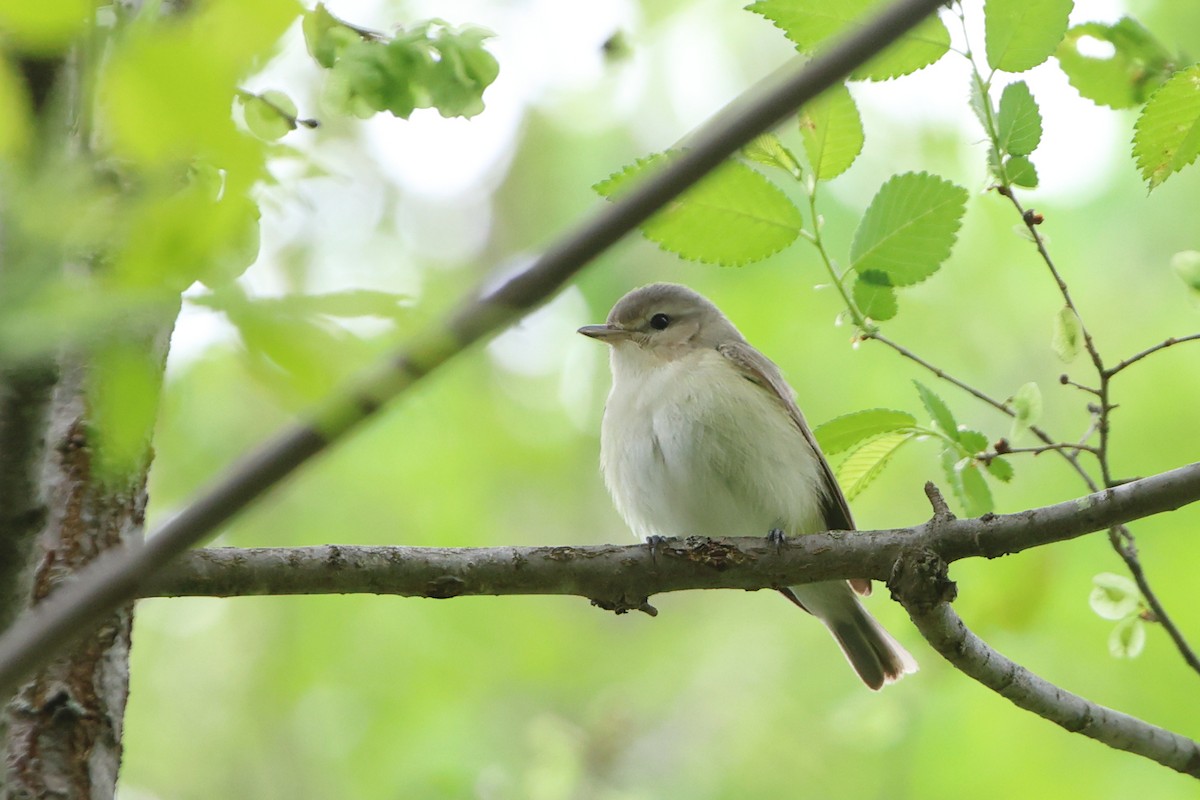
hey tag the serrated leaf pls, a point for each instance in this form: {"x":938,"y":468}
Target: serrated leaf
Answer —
{"x":1020,"y":171}
{"x":1027,"y":409}
{"x":766,"y":149}
{"x":938,"y":410}
{"x":1000,"y":469}
{"x":1018,"y":124}
{"x":1186,"y":264}
{"x":981,"y":102}
{"x":1068,"y":335}
{"x":977,"y":497}
{"x":734,"y":216}
{"x":874,"y":295}
{"x":811,"y":23}
{"x":866,"y":461}
{"x":1135,"y":67}
{"x":832,"y":132}
{"x":1114,"y":596}
{"x":1167,"y":135}
{"x":1020,"y":34}
{"x":909,"y":228}
{"x":1128,"y":638}
{"x":972,"y":442}
{"x":842,"y":433}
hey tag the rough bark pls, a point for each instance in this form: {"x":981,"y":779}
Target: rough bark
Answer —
{"x":62,"y":729}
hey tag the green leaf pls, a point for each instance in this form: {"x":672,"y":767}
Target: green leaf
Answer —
{"x":767,"y":150}
{"x":463,"y":71}
{"x":972,"y":442}
{"x":1068,"y":334}
{"x":937,"y":409}
{"x":811,"y":23}
{"x":733,"y":216}
{"x":1136,"y":66}
{"x":874,"y":295}
{"x":1186,"y":265}
{"x":1019,"y":124}
{"x":1128,"y":638}
{"x":44,"y":27}
{"x":269,"y":115}
{"x":832,"y":132}
{"x":867,"y":460}
{"x":325,"y":35}
{"x":1000,"y":469}
{"x":1114,"y":596}
{"x":1027,"y":409}
{"x":298,"y":355}
{"x":981,"y":103}
{"x":967,"y":482}
{"x":1020,"y":34}
{"x":123,"y":393}
{"x":977,"y":497}
{"x":1020,"y":171}
{"x":844,"y":432}
{"x":909,"y":228}
{"x":430,"y":65}
{"x":1167,"y":135}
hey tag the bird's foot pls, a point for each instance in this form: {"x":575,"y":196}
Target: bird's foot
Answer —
{"x":655,"y":543}
{"x":776,"y":538}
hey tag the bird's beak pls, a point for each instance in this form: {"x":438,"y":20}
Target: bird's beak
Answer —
{"x":605,"y":333}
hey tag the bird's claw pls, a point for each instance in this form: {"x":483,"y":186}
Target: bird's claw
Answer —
{"x":655,"y":543}
{"x":776,"y":538}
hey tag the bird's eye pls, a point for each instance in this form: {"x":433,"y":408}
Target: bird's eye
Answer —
{"x":659,"y":321}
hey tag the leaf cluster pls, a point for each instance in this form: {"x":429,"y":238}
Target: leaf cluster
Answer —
{"x":427,"y":65}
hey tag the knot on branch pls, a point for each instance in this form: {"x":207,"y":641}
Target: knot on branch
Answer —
{"x":920,"y":580}
{"x":624,"y":605}
{"x":444,"y":587}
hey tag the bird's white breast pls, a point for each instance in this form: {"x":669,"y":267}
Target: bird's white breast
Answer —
{"x":691,"y":447}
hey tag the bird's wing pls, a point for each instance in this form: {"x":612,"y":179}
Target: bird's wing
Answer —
{"x":758,"y":369}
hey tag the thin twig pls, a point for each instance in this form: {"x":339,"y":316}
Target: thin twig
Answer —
{"x":1065,"y":380}
{"x":1031,"y":224}
{"x":1068,"y":446}
{"x":1071,"y":458}
{"x":1160,"y":346}
{"x":1126,"y":546}
{"x":38,"y":635}
{"x":1120,"y":537}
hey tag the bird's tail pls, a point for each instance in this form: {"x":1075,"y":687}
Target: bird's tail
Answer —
{"x":877,"y":657}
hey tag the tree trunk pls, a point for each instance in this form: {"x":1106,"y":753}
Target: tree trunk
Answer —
{"x":60,"y":734}
{"x":62,"y":730}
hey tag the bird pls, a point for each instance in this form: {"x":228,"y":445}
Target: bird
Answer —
{"x":701,"y":436}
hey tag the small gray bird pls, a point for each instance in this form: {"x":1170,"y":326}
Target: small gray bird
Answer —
{"x":701,"y":436}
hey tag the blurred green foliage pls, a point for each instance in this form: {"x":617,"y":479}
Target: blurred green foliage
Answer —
{"x":724,"y":695}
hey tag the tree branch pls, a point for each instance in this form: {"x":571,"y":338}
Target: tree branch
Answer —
{"x":922,"y":586}
{"x":625,"y":576}
{"x":36,"y":637}
{"x":1113,"y":370}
